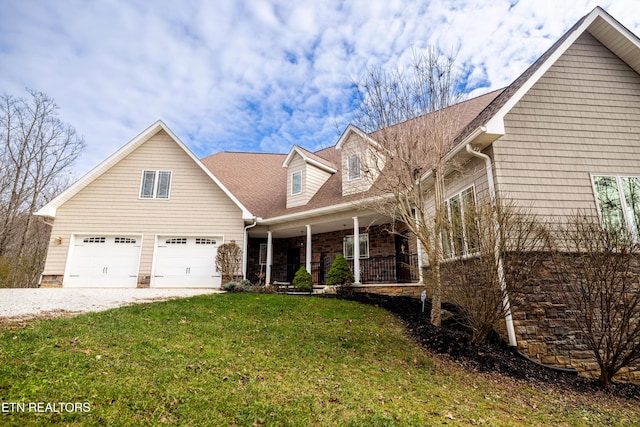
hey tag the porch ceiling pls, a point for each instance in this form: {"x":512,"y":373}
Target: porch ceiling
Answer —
{"x":318,"y":226}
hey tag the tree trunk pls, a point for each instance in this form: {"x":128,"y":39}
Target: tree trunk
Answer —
{"x":436,"y":301}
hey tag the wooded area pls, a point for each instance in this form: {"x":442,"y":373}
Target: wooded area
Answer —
{"x":36,"y":152}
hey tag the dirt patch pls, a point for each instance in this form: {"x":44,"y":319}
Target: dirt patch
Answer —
{"x":16,"y":322}
{"x":453,"y":341}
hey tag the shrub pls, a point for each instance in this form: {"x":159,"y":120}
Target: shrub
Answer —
{"x":302,"y":281}
{"x":598,"y":269}
{"x":340,"y":273}
{"x":486,"y":283}
{"x":242,"y":286}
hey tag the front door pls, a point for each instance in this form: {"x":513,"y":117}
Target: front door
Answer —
{"x":293,"y":263}
{"x":403,"y":261}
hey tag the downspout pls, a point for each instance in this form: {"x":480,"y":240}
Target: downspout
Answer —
{"x":245,"y":246}
{"x":503,"y":283}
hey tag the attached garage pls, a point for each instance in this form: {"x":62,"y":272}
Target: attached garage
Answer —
{"x":186,"y":262}
{"x":104,"y":261}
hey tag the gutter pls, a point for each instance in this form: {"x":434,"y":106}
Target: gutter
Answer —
{"x":501,"y":278}
{"x":332,"y":209}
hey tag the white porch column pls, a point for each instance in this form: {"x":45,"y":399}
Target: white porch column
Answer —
{"x":420,"y":251}
{"x":356,"y":250}
{"x":267,"y":279}
{"x":308,"y":248}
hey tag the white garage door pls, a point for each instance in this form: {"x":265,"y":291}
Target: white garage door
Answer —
{"x":186,"y":262}
{"x":104,"y":261}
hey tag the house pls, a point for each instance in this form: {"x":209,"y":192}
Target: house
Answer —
{"x":565,"y":125}
{"x":564,"y":136}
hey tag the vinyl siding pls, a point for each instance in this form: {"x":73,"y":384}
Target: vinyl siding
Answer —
{"x":472,"y":173}
{"x":316,"y":178}
{"x":111,"y":204}
{"x":356,"y":146}
{"x":312,"y":179}
{"x":581,"y":117}
{"x":297,"y":164}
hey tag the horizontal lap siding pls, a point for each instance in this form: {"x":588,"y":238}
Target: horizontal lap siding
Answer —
{"x":297,"y":164}
{"x":316,"y":178}
{"x":111,"y":204}
{"x":355,"y":145}
{"x":472,"y":173}
{"x":581,"y":117}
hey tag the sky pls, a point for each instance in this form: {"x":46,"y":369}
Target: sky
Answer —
{"x":255,"y":75}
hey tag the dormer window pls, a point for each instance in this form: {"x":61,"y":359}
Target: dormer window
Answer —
{"x":296,"y":182}
{"x":353,"y":165}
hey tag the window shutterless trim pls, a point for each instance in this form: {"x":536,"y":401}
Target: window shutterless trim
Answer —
{"x":156,"y":173}
{"x":629,"y":221}
{"x":363,"y":255}
{"x":465,"y":249}
{"x":293,"y":175}
{"x":354,"y":158}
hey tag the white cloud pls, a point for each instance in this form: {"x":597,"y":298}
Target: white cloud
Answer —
{"x":253,"y":74}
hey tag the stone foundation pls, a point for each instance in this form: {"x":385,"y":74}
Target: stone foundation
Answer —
{"x":544,"y":326}
{"x":547,"y":332}
{"x":144,"y":281}
{"x":51,"y":281}
{"x":408,"y":290}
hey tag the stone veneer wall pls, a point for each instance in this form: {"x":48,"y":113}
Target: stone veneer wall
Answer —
{"x":547,"y":332}
{"x":545,"y":329}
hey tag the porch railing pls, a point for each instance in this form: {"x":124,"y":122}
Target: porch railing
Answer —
{"x":381,"y":269}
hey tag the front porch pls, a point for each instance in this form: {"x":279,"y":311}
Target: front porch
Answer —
{"x":379,"y":269}
{"x":384,"y":254}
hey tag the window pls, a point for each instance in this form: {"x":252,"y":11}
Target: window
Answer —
{"x":618,"y":200}
{"x":263,"y":254}
{"x":176,"y":241}
{"x":348,"y":246}
{"x":94,"y":240}
{"x":460,"y":236}
{"x":126,"y":240}
{"x":155,"y":184}
{"x":296,"y":182}
{"x":204,"y":241}
{"x":353,"y":165}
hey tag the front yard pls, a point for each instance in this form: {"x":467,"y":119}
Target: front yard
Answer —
{"x":248,"y":359}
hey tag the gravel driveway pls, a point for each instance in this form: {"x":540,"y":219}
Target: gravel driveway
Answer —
{"x":22,"y":304}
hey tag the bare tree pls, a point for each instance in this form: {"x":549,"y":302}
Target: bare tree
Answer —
{"x":229,"y":261}
{"x":599,"y":269}
{"x":494,"y":249}
{"x":37,"y":149}
{"x":408,"y":114}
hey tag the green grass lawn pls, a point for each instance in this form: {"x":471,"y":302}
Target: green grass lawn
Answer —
{"x":254,"y":360}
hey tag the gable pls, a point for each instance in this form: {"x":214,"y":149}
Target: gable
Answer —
{"x":580,"y":118}
{"x":49,"y":210}
{"x":120,"y":184}
{"x":489,"y":124}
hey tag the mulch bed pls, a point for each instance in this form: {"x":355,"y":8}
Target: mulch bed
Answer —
{"x":494,"y":356}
